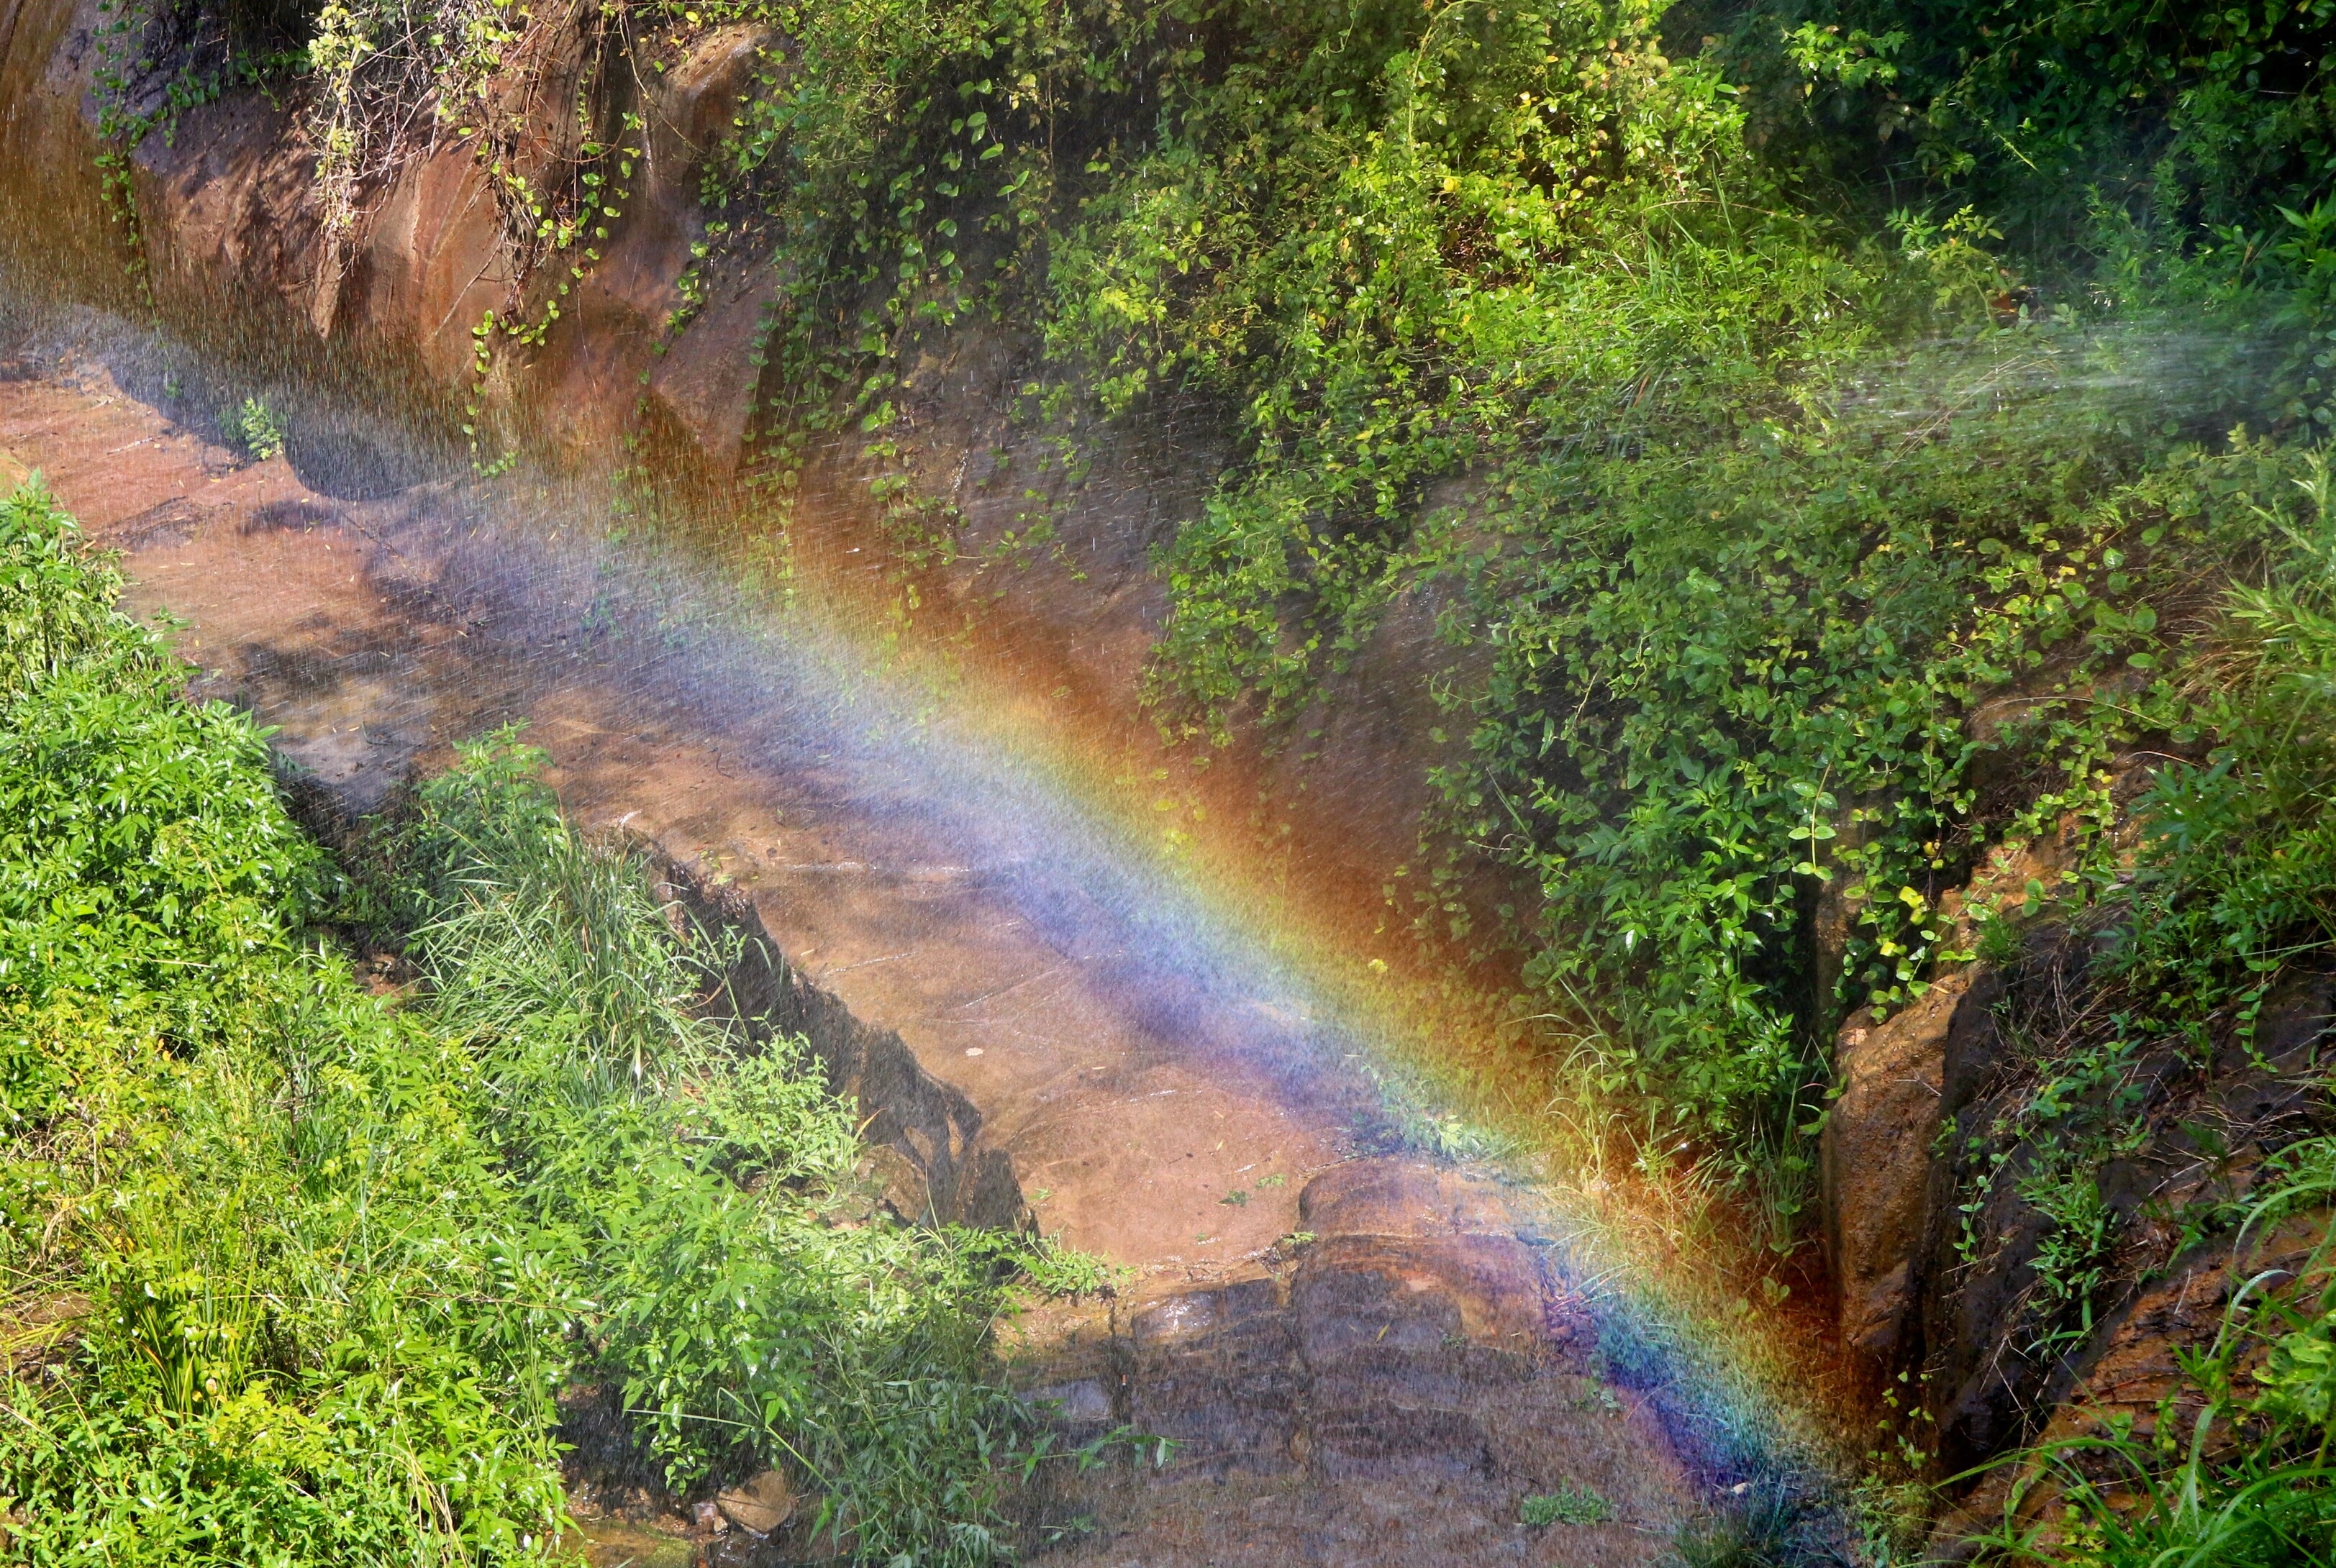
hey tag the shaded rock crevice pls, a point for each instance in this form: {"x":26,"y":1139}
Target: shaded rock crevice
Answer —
{"x":925,"y":1136}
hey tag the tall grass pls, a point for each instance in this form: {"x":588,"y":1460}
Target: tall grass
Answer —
{"x":2245,"y":1480}
{"x":683,"y":1187}
{"x":296,"y":1275}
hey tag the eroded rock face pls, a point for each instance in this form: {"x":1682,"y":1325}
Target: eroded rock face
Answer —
{"x":1875,"y":1153}
{"x":1415,"y":1360}
{"x":2135,"y":1380}
{"x":2000,"y":1350}
{"x":229,"y":214}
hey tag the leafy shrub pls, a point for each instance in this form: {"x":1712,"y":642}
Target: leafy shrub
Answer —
{"x":2203,"y":122}
{"x":257,"y":429}
{"x":56,"y":612}
{"x":307,"y":1273}
{"x":683,"y":1187}
{"x":142,"y":836}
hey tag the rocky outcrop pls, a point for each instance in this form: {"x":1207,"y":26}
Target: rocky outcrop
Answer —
{"x":234,"y":239}
{"x":924,"y":1136}
{"x":1875,"y":1151}
{"x":2028,"y":1264}
{"x":1877,"y":1154}
{"x":2045,"y":1283}
{"x":1410,"y":1359}
{"x":2135,"y":1384}
{"x":1398,"y":1333}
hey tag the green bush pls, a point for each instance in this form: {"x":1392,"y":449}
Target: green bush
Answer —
{"x":683,"y":1188}
{"x":257,"y":429}
{"x":298,"y":1276}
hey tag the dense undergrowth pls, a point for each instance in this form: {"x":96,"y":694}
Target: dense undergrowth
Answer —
{"x":297,"y":1273}
{"x":1755,"y":388}
{"x":1835,"y":439}
{"x":1695,"y":380}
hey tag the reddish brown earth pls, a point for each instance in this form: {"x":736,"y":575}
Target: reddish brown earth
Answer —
{"x":226,"y":218}
{"x":1384,"y":1394}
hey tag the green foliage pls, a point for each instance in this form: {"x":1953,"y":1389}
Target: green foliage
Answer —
{"x":2235,"y":875}
{"x":143,"y":837}
{"x":1737,"y":587}
{"x":2072,"y":1260}
{"x":257,"y":429}
{"x":2185,"y":1492}
{"x":305,"y":1273}
{"x":684,"y":1188}
{"x":2202,"y":122}
{"x":1569,"y":1504}
{"x":56,"y":607}
{"x":2230,"y":887}
{"x":247,"y":1202}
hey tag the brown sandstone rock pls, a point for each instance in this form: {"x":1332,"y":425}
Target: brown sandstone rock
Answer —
{"x":706,"y":382}
{"x":760,"y":1505}
{"x":691,"y":106}
{"x":435,"y":263}
{"x":613,"y":343}
{"x":1875,"y":1156}
{"x":2136,"y":1379}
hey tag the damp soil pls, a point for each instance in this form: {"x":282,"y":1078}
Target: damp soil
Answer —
{"x":1362,"y":1357}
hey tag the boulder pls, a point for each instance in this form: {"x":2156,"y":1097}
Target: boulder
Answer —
{"x":1875,"y":1157}
{"x":761,"y":1506}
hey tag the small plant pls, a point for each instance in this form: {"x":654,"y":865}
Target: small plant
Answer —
{"x":1569,"y":1504}
{"x":259,"y":430}
{"x":2186,"y":1494}
{"x":1754,"y":1530}
{"x":2072,"y":1260}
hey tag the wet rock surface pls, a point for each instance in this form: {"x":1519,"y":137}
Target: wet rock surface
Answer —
{"x":1386,"y":1391}
{"x":1360,"y":1359}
